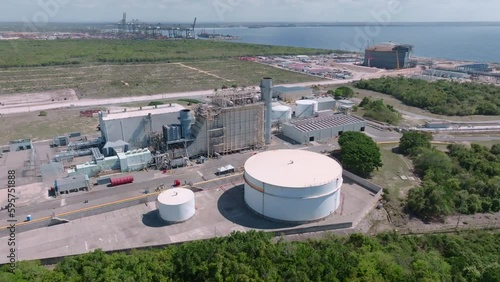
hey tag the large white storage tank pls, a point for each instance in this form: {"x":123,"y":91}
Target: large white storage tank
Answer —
{"x":281,"y":113}
{"x":292,"y":185}
{"x":305,"y":108}
{"x":176,"y":205}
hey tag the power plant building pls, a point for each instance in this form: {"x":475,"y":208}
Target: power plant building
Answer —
{"x":322,"y":128}
{"x":291,"y":93}
{"x":389,"y":56}
{"x":136,"y":127}
{"x":232,"y":122}
{"x":292,"y":185}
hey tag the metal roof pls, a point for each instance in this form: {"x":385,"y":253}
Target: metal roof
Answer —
{"x":324,"y":99}
{"x":319,"y":123}
{"x":164,"y":109}
{"x":72,"y":179}
{"x":283,"y":89}
{"x":297,"y":169}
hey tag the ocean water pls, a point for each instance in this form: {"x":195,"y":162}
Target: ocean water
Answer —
{"x":480,"y":43}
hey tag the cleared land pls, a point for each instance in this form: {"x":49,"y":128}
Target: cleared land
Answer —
{"x":57,"y":122}
{"x":22,"y":53}
{"x":396,"y":188}
{"x":102,"y":81}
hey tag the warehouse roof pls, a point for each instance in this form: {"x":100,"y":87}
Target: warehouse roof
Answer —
{"x":290,"y":89}
{"x":312,"y":124}
{"x":163,"y":109}
{"x":70,"y":180}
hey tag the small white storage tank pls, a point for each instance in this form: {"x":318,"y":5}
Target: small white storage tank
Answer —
{"x":176,"y":205}
{"x":305,"y":108}
{"x":281,"y":113}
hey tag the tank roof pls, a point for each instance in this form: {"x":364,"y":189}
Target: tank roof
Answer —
{"x":175,"y":196}
{"x":293,"y":168}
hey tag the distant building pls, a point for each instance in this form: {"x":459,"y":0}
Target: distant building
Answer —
{"x":326,"y":103}
{"x":322,"y":128}
{"x":475,"y":68}
{"x":20,"y":145}
{"x":388,"y":56}
{"x":291,"y":93}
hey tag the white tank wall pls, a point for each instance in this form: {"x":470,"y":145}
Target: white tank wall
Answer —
{"x":293,"y":204}
{"x":177,"y":212}
{"x":281,"y":113}
{"x":306,"y":108}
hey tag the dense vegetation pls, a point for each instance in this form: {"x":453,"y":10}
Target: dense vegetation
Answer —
{"x":360,"y":154}
{"x":22,"y":53}
{"x":411,"y":141}
{"x":341,"y":92}
{"x":377,"y":110}
{"x":440,"y":97}
{"x":463,"y":180}
{"x":254,"y":256}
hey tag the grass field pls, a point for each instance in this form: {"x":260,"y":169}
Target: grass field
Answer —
{"x":142,"y":79}
{"x":57,"y":122}
{"x":388,"y":176}
{"x":22,"y":53}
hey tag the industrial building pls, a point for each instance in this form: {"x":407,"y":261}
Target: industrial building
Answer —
{"x":134,"y":160}
{"x":326,"y":103}
{"x":233,"y":121}
{"x":389,"y":56}
{"x":322,"y":128}
{"x":176,"y":205}
{"x":71,"y":184}
{"x":291,"y":94}
{"x":292,"y":185}
{"x":136,"y":127}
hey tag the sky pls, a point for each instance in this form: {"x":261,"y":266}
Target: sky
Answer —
{"x":42,"y":11}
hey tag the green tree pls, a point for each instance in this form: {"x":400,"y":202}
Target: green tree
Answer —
{"x":360,"y":154}
{"x":412,"y":140}
{"x":42,"y":113}
{"x":344,"y":91}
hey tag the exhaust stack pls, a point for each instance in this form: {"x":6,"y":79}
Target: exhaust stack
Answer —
{"x":266,"y":90}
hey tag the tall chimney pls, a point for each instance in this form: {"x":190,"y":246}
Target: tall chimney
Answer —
{"x":266,"y":89}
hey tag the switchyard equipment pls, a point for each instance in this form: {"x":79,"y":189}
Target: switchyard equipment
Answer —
{"x":292,"y":185}
{"x":389,"y":56}
{"x":176,"y":205}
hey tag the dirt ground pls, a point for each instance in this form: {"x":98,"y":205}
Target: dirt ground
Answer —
{"x":57,"y":122}
{"x":38,"y":98}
